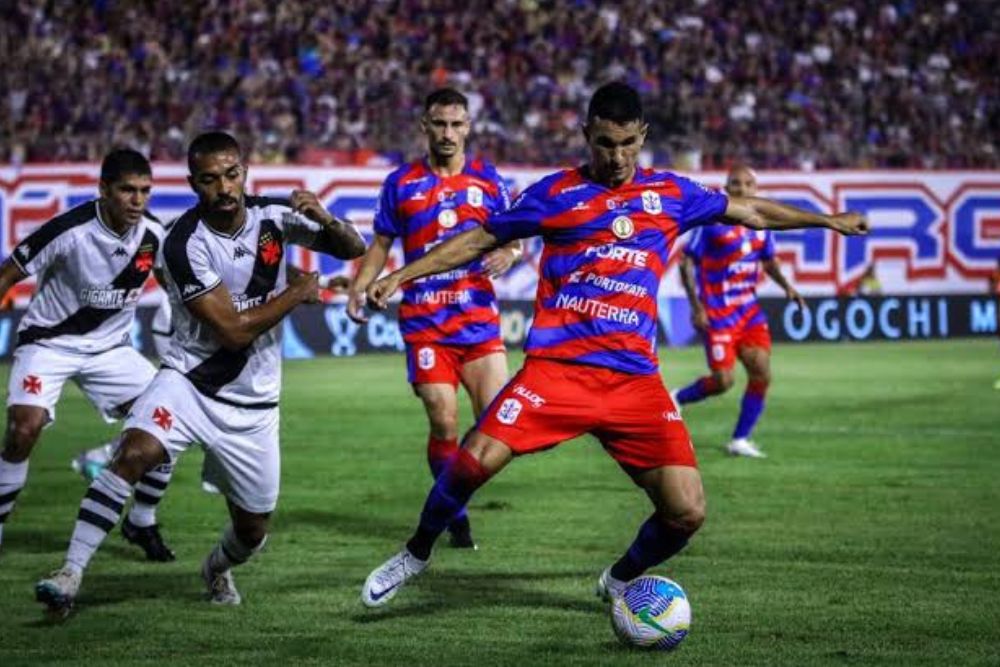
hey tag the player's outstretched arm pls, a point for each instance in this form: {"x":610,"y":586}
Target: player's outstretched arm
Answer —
{"x":342,"y":240}
{"x":455,"y":252}
{"x":760,"y":213}
{"x":10,"y":275}
{"x":372,"y":265}
{"x":237,"y":330}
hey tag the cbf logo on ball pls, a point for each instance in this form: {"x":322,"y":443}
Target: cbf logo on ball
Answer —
{"x":622,"y":227}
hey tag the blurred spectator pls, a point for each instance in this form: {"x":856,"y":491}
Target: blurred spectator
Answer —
{"x":831,"y":83}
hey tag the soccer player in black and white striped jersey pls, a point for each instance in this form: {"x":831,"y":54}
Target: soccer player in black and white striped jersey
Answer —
{"x":221,"y":377}
{"x":91,"y":263}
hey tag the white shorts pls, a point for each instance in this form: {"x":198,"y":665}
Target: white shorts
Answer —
{"x":109,"y":379}
{"x":241,"y":444}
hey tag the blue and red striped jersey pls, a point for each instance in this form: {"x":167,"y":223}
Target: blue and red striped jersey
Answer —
{"x":605,"y":251}
{"x":458,"y":307}
{"x":728,"y":260}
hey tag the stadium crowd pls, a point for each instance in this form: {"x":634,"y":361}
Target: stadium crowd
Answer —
{"x":806,"y":84}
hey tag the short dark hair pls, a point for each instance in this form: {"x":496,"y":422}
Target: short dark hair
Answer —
{"x":617,"y":102}
{"x":446,"y":97}
{"x":215,"y":141}
{"x":122,"y":162}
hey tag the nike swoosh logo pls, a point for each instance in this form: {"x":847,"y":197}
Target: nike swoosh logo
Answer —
{"x":647,"y":618}
{"x":381,"y":594}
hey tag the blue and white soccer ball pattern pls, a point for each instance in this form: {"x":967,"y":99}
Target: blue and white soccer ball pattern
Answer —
{"x":653,"y":613}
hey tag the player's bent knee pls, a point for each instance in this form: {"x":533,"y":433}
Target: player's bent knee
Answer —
{"x":23,"y":430}
{"x":687,"y":519}
{"x":724,"y":381}
{"x":138,"y":454}
{"x":252,"y":534}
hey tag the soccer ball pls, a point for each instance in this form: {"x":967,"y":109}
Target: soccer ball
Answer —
{"x":653,"y":613}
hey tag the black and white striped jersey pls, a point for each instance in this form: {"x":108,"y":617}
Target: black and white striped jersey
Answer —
{"x":251,"y":264}
{"x":89,"y":279}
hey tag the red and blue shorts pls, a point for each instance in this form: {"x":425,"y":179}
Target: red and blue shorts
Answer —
{"x":428,"y":363}
{"x":722,"y":345}
{"x":549,"y":402}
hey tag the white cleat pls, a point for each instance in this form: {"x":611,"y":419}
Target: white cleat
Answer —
{"x":609,"y":588}
{"x":744,"y":447}
{"x":221,"y":587}
{"x":386,"y":580}
{"x":59,"y":591}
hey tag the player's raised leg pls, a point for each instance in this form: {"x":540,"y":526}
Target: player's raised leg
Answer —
{"x":757,"y":361}
{"x":100,"y":510}
{"x":477,"y":461}
{"x":679,"y":502}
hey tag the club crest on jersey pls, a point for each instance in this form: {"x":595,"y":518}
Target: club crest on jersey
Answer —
{"x":474,"y":195}
{"x":269,"y":248}
{"x":144,"y":258}
{"x":425,"y":358}
{"x":651,"y":202}
{"x":448,"y":218}
{"x":622,"y":227}
{"x":509,"y":410}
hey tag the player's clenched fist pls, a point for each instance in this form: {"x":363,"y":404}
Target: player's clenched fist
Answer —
{"x":850,"y":223}
{"x":380,"y":291}
{"x":307,"y":204}
{"x":306,"y":286}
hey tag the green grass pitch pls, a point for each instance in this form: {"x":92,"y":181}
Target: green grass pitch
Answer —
{"x":870,"y":536}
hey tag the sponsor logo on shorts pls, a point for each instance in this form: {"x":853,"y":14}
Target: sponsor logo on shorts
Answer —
{"x":533,"y":398}
{"x":163,"y":418}
{"x":509,"y":410}
{"x":672,"y":415}
{"x":32,"y":384}
{"x":190,"y":289}
{"x":426,"y":358}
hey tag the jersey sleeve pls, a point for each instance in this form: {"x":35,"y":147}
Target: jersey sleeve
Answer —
{"x":300,"y":230}
{"x":39,"y":250}
{"x":189,"y":266}
{"x":767,"y":252}
{"x":385,"y":223}
{"x":701,"y":205}
{"x":695,"y":245}
{"x":520,"y":221}
{"x":501,"y":202}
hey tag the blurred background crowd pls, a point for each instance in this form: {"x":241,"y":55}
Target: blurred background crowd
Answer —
{"x":805,"y":84}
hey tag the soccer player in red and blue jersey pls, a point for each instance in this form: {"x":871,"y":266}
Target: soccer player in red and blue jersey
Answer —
{"x":450,"y":322}
{"x":591,"y":361}
{"x":725,"y":262}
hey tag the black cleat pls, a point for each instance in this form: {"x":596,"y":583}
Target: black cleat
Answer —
{"x":149,"y":540}
{"x":460,"y":534}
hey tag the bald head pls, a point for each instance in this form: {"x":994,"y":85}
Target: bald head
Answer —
{"x":741,"y":182}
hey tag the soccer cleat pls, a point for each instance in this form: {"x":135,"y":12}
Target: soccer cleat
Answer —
{"x":90,"y":463}
{"x":609,"y":588}
{"x":59,"y":591}
{"x":743,"y":447}
{"x":386,"y":580}
{"x":220,"y":585}
{"x":148,"y":539}
{"x":460,"y":535}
